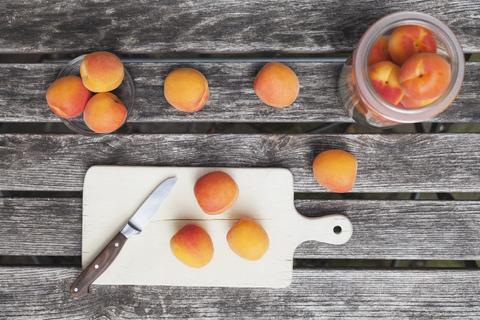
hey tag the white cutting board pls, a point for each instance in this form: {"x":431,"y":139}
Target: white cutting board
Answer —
{"x":112,"y":194}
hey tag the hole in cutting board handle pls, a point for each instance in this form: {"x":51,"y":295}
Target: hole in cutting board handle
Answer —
{"x":337,"y":229}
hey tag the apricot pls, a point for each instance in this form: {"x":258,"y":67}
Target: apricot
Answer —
{"x":248,"y":239}
{"x":186,"y":89}
{"x":379,"y":52}
{"x":384,"y":77}
{"x":425,"y":76}
{"x":101,"y":71}
{"x":104,"y":113}
{"x":215,"y":192}
{"x":408,"y":102}
{"x":335,"y":170}
{"x":67,"y":96}
{"x":405,"y":41}
{"x":192,"y":245}
{"x":276,"y":85}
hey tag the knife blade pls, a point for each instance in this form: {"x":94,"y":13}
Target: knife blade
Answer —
{"x":134,"y":226}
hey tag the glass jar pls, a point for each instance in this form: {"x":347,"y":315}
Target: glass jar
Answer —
{"x":358,"y":94}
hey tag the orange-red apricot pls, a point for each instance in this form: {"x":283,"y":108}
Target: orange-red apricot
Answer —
{"x":215,"y":192}
{"x":425,"y":76}
{"x":276,"y":85}
{"x":384,"y":77}
{"x":192,"y":245}
{"x":335,"y":170}
{"x":101,"y":71}
{"x":379,"y":52}
{"x":186,"y":89}
{"x":408,"y":102}
{"x":248,"y":239}
{"x":104,"y":113}
{"x":405,"y":41}
{"x":67,"y":96}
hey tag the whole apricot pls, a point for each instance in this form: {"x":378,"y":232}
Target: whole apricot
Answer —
{"x":215,"y":192}
{"x":104,"y":113}
{"x":101,"y":71}
{"x":408,"y":102}
{"x":406,"y":41}
{"x":276,"y":85}
{"x":425,"y":76}
{"x":335,"y":170}
{"x":248,"y":239}
{"x":379,"y":52}
{"x":192,"y":245}
{"x":186,"y":89}
{"x":384,"y":77}
{"x":67,"y":96}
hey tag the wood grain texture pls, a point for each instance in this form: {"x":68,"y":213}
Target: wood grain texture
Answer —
{"x":432,"y":230}
{"x":41,"y":226}
{"x":232,"y":98}
{"x":386,"y":162}
{"x":224,"y":26}
{"x":314,"y":293}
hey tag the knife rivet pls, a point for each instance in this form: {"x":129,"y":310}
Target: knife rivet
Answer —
{"x":75,"y":290}
{"x":96,"y":266}
{"x":116,"y":244}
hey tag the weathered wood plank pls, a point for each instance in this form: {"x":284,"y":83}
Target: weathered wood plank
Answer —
{"x":319,"y":294}
{"x":232,"y":98}
{"x":41,"y":226}
{"x":404,"y":230}
{"x":213,"y":26}
{"x":386,"y":162}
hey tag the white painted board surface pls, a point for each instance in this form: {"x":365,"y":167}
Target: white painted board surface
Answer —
{"x":112,"y":194}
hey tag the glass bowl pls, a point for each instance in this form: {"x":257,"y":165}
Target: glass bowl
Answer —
{"x":125,"y":92}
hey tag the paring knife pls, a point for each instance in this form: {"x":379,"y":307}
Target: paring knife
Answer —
{"x":134,"y":226}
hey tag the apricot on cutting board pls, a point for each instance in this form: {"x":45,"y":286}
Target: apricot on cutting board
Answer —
{"x":248,"y":239}
{"x":192,"y":245}
{"x":215,"y":192}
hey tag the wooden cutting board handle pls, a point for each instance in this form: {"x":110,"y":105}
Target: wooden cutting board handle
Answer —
{"x":332,"y":229}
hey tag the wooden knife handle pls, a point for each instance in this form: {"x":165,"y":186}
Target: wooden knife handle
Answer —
{"x":80,"y":287}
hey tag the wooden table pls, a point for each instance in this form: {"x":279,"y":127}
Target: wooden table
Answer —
{"x":43,"y":166}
